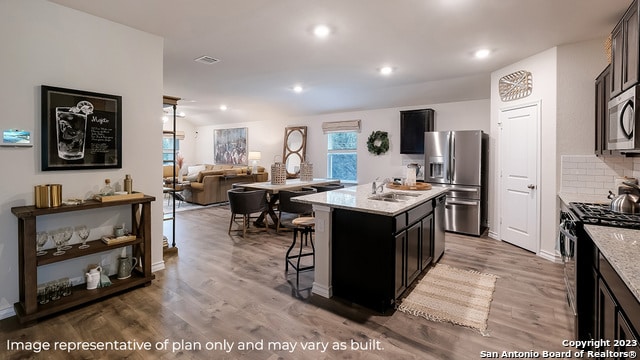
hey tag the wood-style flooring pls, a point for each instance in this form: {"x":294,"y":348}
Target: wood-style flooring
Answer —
{"x":228,"y":288}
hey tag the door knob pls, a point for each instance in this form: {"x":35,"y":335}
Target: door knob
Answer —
{"x":531,"y":186}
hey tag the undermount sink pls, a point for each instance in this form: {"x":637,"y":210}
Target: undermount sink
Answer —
{"x":393,"y":196}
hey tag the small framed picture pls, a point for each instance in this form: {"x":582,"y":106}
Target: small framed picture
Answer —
{"x":16,"y":137}
{"x":80,"y":129}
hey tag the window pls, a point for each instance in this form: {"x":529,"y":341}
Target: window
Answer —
{"x":342,"y":158}
{"x":167,"y":150}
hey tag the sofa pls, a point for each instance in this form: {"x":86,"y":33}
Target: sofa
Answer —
{"x":209,"y":183}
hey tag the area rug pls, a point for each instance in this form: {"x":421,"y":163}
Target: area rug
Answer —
{"x":448,"y":294}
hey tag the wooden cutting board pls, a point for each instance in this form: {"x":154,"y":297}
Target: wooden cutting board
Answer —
{"x":417,"y":186}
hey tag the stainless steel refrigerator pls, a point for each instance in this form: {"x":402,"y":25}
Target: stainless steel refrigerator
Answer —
{"x":458,"y":160}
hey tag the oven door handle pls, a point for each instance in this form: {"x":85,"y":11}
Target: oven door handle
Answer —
{"x":569,"y":235}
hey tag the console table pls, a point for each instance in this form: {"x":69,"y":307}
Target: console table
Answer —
{"x":28,"y":309}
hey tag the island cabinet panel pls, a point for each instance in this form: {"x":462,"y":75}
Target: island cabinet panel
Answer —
{"x":375,"y":258}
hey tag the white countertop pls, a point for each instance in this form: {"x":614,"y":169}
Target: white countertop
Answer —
{"x":357,"y":198}
{"x":584,"y":198}
{"x":621,"y":247}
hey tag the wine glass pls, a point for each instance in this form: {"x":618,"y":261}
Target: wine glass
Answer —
{"x":41,"y":238}
{"x":83,"y":232}
{"x":68,"y":233}
{"x":58,"y":239}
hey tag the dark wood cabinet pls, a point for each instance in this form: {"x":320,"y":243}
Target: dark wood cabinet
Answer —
{"x":625,"y":49}
{"x":413,"y":124}
{"x":414,"y":242}
{"x":609,"y":309}
{"x":28,"y":309}
{"x":375,"y":258}
{"x":426,"y":246}
{"x":400,"y":283}
{"x":607,"y":315}
{"x":602,"y":85}
{"x":627,"y":339}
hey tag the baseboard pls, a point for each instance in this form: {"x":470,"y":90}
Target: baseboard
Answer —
{"x":157,"y":266}
{"x":321,"y":290}
{"x":7,"y":312}
{"x":494,"y":235}
{"x":550,"y":256}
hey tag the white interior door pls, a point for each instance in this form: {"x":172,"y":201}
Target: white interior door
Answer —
{"x":519,"y":176}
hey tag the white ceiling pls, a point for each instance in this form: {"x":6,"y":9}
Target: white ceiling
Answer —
{"x":267,"y":46}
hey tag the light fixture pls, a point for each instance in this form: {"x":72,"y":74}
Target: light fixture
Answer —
{"x":386,"y":70}
{"x":321,"y":31}
{"x":223,"y":107}
{"x":482,"y":53}
{"x":254,"y":156}
{"x":297,"y":89}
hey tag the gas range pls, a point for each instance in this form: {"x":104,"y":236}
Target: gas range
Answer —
{"x":601,"y":214}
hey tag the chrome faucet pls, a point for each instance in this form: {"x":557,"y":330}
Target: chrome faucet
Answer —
{"x":375,"y":187}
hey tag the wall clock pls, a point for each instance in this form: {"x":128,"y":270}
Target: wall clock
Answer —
{"x":515,"y":85}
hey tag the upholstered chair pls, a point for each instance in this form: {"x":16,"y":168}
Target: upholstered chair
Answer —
{"x":246,"y":203}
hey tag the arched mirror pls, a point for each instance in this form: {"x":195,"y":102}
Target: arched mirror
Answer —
{"x":294,"y":150}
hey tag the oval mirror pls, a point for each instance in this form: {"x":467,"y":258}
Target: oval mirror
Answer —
{"x":294,"y":141}
{"x":294,"y":149}
{"x":292,"y":163}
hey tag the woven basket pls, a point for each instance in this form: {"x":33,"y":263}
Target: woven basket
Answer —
{"x":278,"y":173}
{"x":306,"y":171}
{"x":607,"y":48}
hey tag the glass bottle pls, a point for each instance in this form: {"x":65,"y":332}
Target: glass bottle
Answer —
{"x":107,"y":189}
{"x":128,"y":184}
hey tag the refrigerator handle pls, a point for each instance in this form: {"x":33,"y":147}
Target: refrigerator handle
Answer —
{"x":452,"y":172}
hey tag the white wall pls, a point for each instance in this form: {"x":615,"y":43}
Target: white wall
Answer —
{"x":578,"y":66}
{"x":44,"y":43}
{"x":465,"y":115}
{"x":543,"y":68}
{"x":563,"y":80}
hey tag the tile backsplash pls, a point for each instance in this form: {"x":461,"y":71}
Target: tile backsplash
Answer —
{"x":590,"y":174}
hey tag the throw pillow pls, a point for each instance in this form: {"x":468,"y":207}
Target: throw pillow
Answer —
{"x":194,"y":170}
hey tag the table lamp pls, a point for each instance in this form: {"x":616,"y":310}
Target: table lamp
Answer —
{"x":254,"y":156}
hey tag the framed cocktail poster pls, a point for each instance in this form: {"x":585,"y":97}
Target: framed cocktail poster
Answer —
{"x":80,"y":129}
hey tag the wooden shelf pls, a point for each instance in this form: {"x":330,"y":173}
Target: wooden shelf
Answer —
{"x":95,"y":246}
{"x":80,"y":295}
{"x":28,"y":309}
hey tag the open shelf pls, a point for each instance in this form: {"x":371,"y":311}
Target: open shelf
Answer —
{"x":80,"y":295}
{"x":95,"y":246}
{"x":28,"y":309}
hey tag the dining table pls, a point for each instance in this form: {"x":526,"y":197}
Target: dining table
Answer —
{"x":272,"y":193}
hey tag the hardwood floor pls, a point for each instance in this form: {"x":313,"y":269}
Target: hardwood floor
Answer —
{"x":226,"y":288}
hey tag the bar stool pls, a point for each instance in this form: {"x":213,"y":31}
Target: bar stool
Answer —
{"x":305,"y":227}
{"x":302,"y":225}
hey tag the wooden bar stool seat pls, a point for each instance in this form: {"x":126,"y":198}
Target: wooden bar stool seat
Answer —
{"x":305,"y":227}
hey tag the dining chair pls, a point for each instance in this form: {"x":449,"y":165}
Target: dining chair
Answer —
{"x":245,"y":203}
{"x":289,"y":210}
{"x":327,"y":187}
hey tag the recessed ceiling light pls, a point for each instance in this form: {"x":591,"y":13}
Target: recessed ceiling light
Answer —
{"x":223,"y":107}
{"x":482,"y":53}
{"x":321,"y":31}
{"x":297,"y":89}
{"x":386,"y":70}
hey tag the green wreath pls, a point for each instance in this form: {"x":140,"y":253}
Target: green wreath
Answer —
{"x":378,"y":142}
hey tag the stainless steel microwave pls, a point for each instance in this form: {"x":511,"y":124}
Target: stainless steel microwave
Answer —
{"x":622,"y":124}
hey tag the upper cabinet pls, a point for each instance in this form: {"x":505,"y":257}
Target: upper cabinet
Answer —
{"x":603,"y":82}
{"x":413,"y":124}
{"x":625,"y":51}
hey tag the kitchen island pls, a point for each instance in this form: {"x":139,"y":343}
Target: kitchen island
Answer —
{"x":369,"y":248}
